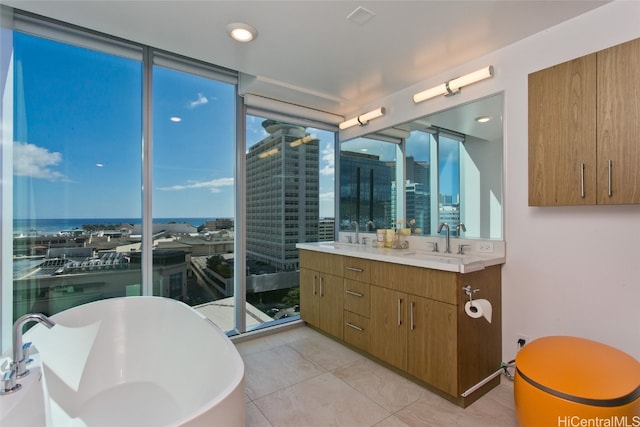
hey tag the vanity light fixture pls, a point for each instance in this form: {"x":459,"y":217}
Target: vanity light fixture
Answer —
{"x":453,"y":86}
{"x":363,"y":119}
{"x":242,"y":32}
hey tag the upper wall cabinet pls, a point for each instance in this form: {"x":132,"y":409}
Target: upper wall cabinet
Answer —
{"x":584,"y":132}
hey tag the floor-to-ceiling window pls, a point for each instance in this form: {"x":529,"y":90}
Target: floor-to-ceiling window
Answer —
{"x":76,"y":173}
{"x":289,"y":200}
{"x":124,"y":182}
{"x":193,"y":187}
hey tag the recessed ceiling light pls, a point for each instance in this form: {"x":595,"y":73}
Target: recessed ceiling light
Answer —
{"x":483,"y":119}
{"x":242,"y":32}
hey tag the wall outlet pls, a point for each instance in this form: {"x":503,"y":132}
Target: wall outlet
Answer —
{"x":521,"y":341}
{"x":485,"y":247}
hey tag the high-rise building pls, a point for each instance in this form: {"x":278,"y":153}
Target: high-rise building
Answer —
{"x":365,"y":190}
{"x":326,"y":229}
{"x":282,"y":194}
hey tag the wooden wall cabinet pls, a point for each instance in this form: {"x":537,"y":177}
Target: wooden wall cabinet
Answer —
{"x":584,"y":131}
{"x":412,"y":319}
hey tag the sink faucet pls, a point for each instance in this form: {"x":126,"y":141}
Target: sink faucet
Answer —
{"x":357,"y":242}
{"x":19,"y":364}
{"x":447,"y":249}
{"x":459,"y":227}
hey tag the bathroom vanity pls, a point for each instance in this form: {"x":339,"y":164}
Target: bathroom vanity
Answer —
{"x":406,"y":309}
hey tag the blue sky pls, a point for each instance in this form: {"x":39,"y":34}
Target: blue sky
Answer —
{"x":78,"y":138}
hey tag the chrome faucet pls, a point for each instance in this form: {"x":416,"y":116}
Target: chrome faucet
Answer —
{"x":447,"y":249}
{"x":357,"y":242}
{"x":19,"y":364}
{"x":459,"y":227}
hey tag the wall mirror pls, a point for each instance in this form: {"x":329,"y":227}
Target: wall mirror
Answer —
{"x":444,"y":167}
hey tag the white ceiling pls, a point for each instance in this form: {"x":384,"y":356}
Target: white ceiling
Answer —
{"x":308,"y":52}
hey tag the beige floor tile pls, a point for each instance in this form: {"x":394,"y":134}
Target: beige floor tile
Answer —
{"x":253,"y":417}
{"x":392,"y":421}
{"x":390,"y":390}
{"x":325,"y":352}
{"x":429,"y":411}
{"x":321,"y":401}
{"x":275,"y":369}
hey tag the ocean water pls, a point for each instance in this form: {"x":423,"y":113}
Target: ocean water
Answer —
{"x":53,"y":225}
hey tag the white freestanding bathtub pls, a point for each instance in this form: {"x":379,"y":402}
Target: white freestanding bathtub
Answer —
{"x":139,"y":361}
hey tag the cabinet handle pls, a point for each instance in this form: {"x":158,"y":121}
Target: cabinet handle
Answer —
{"x":399,"y":306}
{"x":356,"y":269}
{"x":357,"y":328}
{"x":582,"y":180}
{"x":354,"y":293}
{"x":321,"y":289}
{"x":314,"y":285}
{"x":609,"y":176}
{"x":411,"y":311}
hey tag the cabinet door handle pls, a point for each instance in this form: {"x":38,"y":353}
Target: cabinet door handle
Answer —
{"x":399,"y":307}
{"x":582,"y":180}
{"x":609,"y":176}
{"x":314,"y":285}
{"x":411,"y":312}
{"x":356,"y":269}
{"x":321,"y":289}
{"x":357,"y":328}
{"x":354,"y":293}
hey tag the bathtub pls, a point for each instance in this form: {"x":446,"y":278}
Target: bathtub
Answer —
{"x":138,"y":361}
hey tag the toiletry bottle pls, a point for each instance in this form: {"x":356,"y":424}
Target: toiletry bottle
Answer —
{"x":390,"y":237}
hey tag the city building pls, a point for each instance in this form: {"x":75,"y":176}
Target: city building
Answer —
{"x":282,"y":171}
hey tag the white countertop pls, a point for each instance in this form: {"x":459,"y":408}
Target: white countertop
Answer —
{"x":417,"y":258}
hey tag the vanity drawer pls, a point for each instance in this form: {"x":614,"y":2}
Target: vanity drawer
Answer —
{"x":356,"y":297}
{"x":356,"y":330}
{"x":357,"y":269}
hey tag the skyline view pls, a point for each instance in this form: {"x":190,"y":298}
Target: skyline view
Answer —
{"x":78,"y":139}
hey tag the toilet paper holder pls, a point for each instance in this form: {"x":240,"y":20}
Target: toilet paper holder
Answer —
{"x":469,"y":291}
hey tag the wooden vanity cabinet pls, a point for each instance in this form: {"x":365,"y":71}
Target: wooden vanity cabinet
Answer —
{"x":411,"y":318}
{"x":583,"y":130}
{"x":321,"y":291}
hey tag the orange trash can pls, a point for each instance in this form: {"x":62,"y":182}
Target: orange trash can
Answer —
{"x":563,"y":381}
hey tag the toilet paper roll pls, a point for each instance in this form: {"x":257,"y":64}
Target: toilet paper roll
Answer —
{"x":479,"y":308}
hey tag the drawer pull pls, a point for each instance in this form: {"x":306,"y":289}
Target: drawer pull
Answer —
{"x":356,"y":294}
{"x":356,"y":269}
{"x":609,"y":189}
{"x":413,"y":325}
{"x":582,"y":180}
{"x":357,"y":328}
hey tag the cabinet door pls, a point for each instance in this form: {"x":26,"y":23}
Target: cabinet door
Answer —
{"x":309,"y":299}
{"x":562,"y":134}
{"x":387,"y":326}
{"x":432,"y":344}
{"x":331,"y":292}
{"x":618,"y":124}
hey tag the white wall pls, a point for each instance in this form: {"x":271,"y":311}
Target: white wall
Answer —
{"x":569,"y":270}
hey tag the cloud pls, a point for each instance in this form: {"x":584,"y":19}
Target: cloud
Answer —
{"x":36,"y":162}
{"x":202,"y":100}
{"x":328,"y":161}
{"x":214,"y":186}
{"x":329,"y":195}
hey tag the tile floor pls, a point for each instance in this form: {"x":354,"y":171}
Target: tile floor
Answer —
{"x":301,"y":378}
